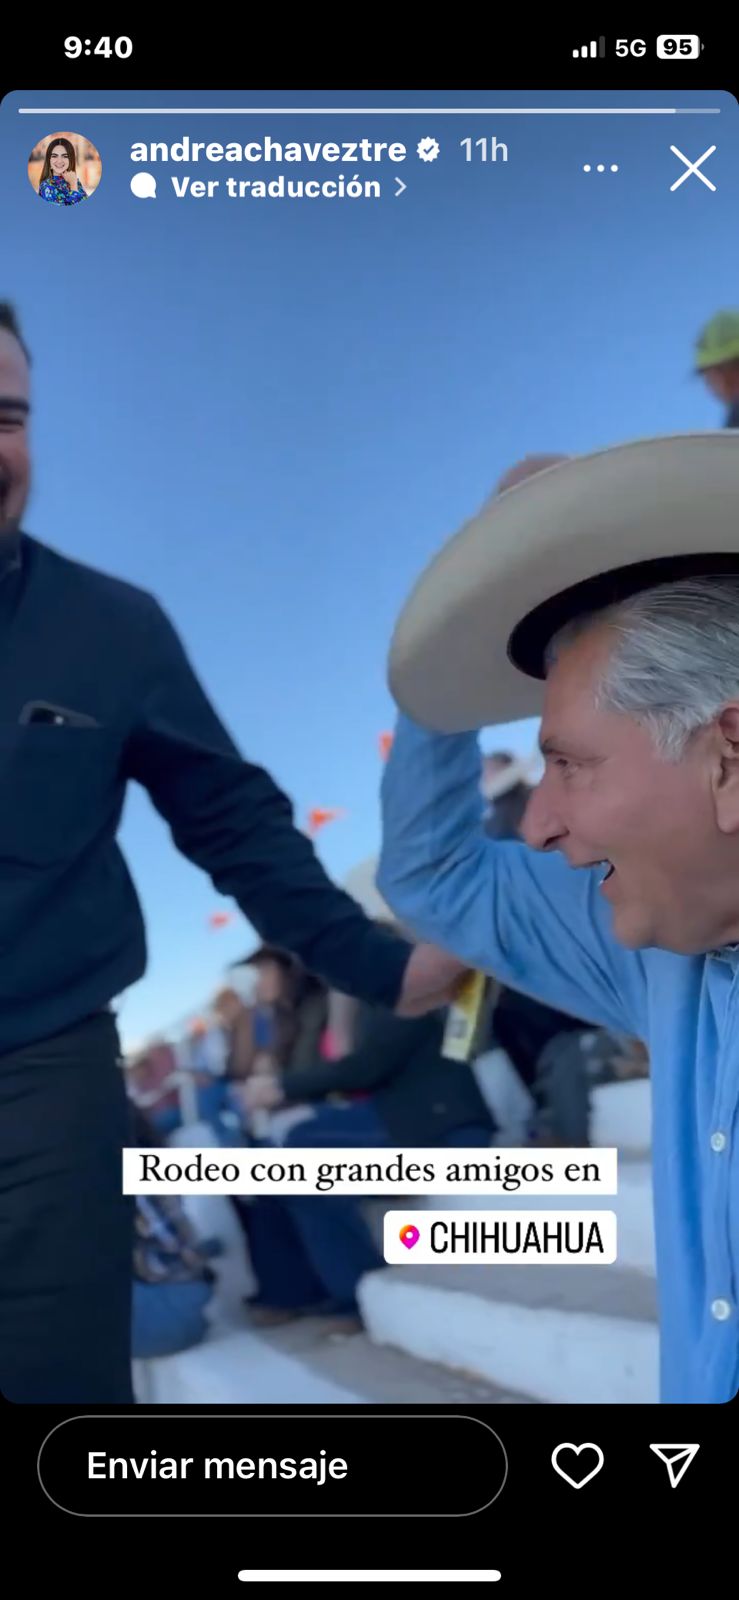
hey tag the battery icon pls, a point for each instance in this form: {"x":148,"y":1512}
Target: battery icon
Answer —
{"x":679,"y":46}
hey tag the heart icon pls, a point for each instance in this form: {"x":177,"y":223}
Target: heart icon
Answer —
{"x":577,"y":1449}
{"x":409,"y":1235}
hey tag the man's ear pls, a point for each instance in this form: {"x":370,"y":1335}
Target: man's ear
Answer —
{"x":726,"y":774}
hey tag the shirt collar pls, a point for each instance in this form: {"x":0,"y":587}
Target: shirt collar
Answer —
{"x":727,"y":952}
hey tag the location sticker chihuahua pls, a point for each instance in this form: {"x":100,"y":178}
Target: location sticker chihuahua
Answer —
{"x":409,"y":1235}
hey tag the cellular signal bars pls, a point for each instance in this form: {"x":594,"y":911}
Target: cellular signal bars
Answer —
{"x":585,"y":52}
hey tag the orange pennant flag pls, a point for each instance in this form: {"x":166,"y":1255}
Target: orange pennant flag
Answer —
{"x":220,"y":919}
{"x":386,"y":744}
{"x":318,"y":818}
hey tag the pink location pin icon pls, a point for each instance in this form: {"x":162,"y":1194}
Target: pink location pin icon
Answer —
{"x":409,"y":1235}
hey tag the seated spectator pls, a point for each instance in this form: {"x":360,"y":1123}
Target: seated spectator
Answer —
{"x":570,"y":1065}
{"x":338,"y":1037}
{"x":233,"y":1008}
{"x":201,"y":1061}
{"x":234,"y":1013}
{"x":172,"y":1281}
{"x":284,"y":1018}
{"x":152,"y":1084}
{"x":282,"y":1029}
{"x":535,"y":1037}
{"x":310,"y":1252}
{"x":505,"y":790}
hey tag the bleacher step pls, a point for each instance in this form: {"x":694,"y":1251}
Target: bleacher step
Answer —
{"x":588,"y":1336}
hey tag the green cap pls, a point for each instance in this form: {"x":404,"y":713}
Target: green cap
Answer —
{"x":719,"y":341}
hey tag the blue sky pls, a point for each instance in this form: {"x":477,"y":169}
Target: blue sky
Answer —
{"x":272,"y":413}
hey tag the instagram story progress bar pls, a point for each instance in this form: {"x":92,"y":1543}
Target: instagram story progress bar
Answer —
{"x":368,"y":1575}
{"x":590,"y":52}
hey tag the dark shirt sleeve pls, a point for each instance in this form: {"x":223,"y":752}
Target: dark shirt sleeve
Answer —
{"x":231,"y":819}
{"x":389,"y":1043}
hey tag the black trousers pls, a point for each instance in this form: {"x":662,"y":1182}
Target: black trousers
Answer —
{"x":66,"y":1230}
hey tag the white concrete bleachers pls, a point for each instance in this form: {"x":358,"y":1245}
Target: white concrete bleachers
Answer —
{"x":576,"y":1334}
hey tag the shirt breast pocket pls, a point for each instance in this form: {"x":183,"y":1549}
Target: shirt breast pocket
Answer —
{"x":56,"y":784}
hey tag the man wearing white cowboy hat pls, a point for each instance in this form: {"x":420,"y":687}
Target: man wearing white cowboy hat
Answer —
{"x":603,"y":593}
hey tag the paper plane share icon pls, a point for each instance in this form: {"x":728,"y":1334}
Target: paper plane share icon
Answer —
{"x":677,"y":1459}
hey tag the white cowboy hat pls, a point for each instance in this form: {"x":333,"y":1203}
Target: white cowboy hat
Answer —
{"x":469,"y":645}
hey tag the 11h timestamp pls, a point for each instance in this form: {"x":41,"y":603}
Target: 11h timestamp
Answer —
{"x":487,"y":148}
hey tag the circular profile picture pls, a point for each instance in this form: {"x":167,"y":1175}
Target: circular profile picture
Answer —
{"x":64,"y":169}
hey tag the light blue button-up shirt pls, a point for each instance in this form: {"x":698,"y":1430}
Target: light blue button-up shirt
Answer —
{"x":544,"y":928}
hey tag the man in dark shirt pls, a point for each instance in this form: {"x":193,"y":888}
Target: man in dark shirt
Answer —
{"x":96,"y":691}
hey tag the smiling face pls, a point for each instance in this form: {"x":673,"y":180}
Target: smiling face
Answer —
{"x":670,"y":830}
{"x":60,"y":162}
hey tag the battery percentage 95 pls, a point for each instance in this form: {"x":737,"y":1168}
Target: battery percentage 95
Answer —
{"x":679,"y":46}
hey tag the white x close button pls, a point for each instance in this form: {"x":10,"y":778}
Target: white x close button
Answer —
{"x":691,"y":168}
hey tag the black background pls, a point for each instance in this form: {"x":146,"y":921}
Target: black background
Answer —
{"x":627,"y":1525}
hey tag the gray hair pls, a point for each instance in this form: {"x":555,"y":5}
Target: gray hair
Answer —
{"x":675,"y":659}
